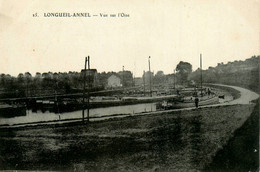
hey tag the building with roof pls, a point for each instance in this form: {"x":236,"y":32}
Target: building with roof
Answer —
{"x":114,"y":81}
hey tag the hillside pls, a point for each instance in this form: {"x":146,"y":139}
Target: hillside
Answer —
{"x":239,"y":73}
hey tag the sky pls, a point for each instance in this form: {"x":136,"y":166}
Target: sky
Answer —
{"x":169,"y":31}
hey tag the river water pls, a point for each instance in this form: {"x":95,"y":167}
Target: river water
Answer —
{"x":97,"y":112}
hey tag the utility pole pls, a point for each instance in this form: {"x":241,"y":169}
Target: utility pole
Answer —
{"x":89,"y":86}
{"x":144,"y":82}
{"x":84,"y":89}
{"x":27,"y":99}
{"x":201,"y":74}
{"x":87,"y":60}
{"x":150,"y":76}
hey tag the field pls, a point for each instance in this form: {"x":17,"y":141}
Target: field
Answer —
{"x":182,"y":140}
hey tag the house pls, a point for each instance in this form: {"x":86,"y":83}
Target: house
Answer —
{"x":114,"y":81}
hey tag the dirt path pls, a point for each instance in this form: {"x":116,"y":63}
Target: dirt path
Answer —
{"x":246,"y":95}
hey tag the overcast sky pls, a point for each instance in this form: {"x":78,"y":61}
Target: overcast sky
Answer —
{"x":169,"y":31}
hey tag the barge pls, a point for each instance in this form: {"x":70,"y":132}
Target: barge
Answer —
{"x":8,"y":111}
{"x":186,"y":103}
{"x":69,"y":105}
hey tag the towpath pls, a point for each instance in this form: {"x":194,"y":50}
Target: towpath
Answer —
{"x":246,"y":95}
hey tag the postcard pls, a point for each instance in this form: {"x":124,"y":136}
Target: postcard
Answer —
{"x":151,"y":85}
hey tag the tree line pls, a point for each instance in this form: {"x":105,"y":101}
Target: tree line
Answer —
{"x":241,"y":73}
{"x":49,"y":83}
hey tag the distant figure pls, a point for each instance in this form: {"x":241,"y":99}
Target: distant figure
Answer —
{"x":209,"y":92}
{"x":197,"y":102}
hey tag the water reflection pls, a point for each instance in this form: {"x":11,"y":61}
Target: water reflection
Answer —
{"x":97,"y":112}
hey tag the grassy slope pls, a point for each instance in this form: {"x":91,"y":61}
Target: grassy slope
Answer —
{"x":242,"y":151}
{"x":174,"y":141}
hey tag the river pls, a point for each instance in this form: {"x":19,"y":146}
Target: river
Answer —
{"x":97,"y":112}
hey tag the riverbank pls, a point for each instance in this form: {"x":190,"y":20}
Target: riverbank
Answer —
{"x":241,"y":153}
{"x":179,"y":140}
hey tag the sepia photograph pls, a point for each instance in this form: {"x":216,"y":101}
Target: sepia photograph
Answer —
{"x":141,"y":85}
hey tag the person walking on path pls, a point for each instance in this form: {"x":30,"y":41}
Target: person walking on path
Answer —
{"x":197,"y":102}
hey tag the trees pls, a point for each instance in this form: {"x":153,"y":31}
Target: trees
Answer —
{"x":184,"y":69}
{"x":126,"y":77}
{"x":20,"y":78}
{"x":159,"y":77}
{"x":28,"y":77}
{"x":240,"y":73}
{"x":37,"y":80}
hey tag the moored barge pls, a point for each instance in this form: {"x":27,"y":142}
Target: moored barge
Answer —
{"x":8,"y":111}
